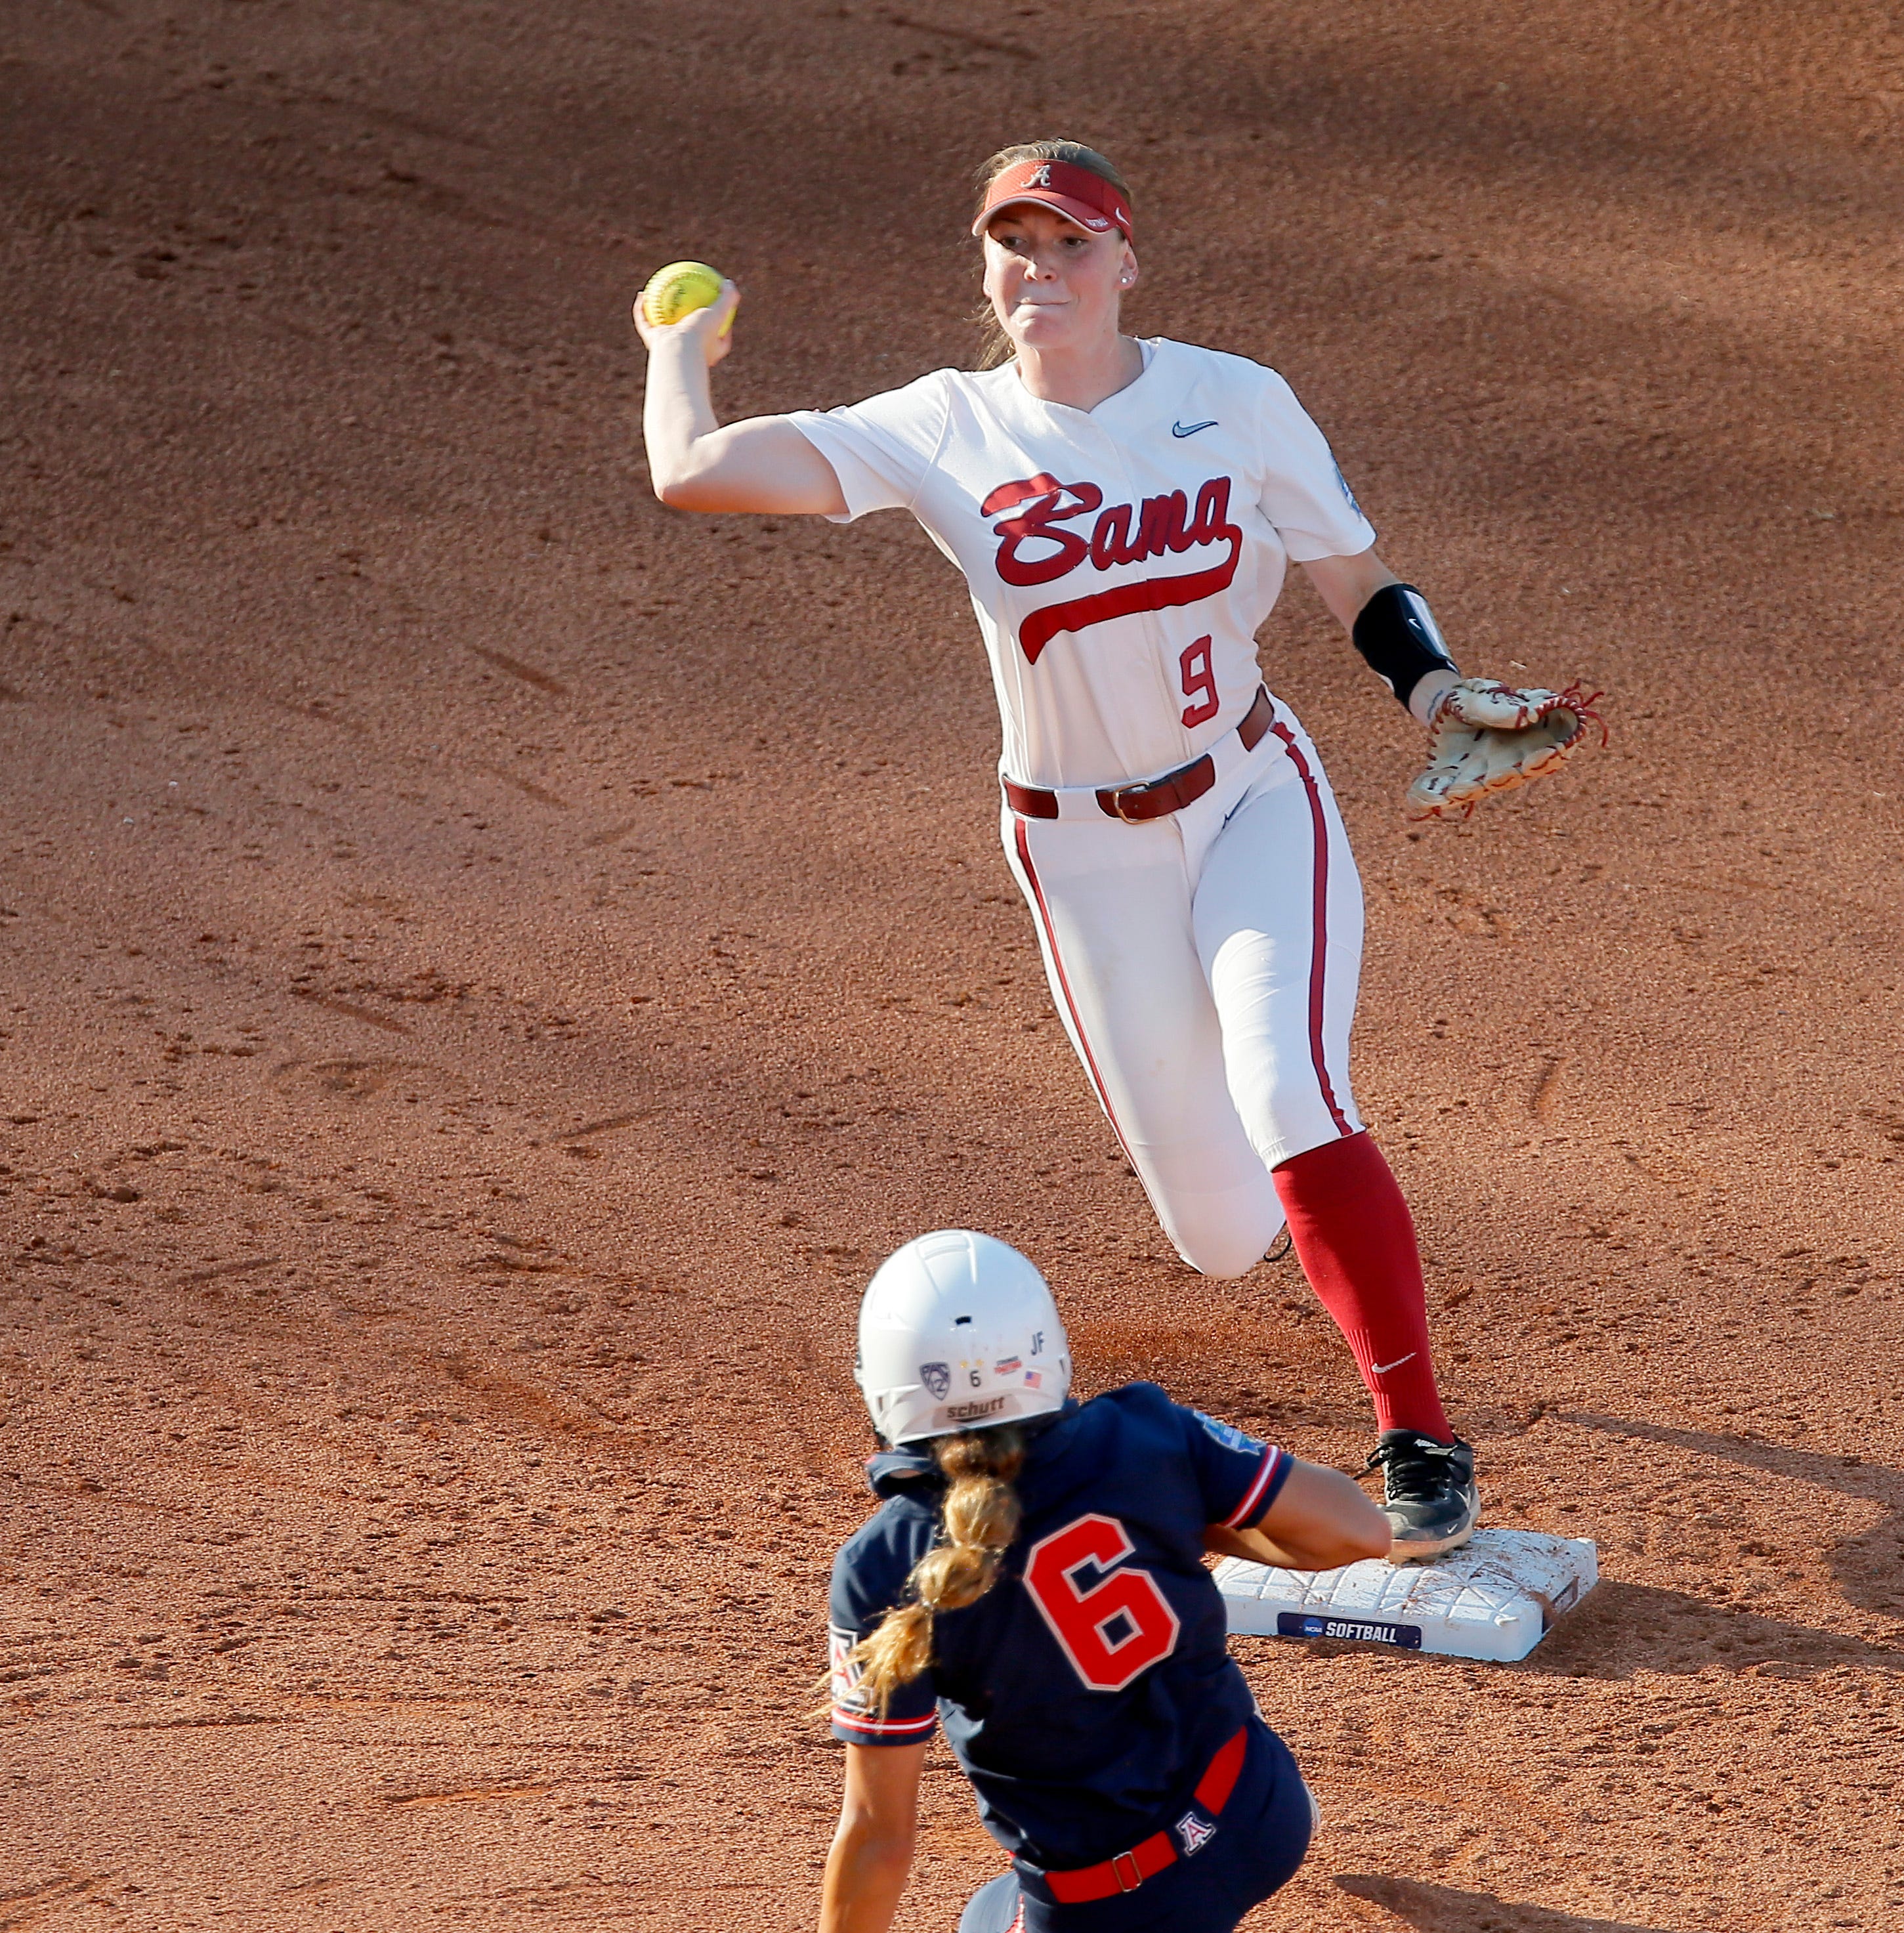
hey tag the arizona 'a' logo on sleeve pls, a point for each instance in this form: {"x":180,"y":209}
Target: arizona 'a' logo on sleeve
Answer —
{"x":1040,"y":544}
{"x":854,"y":1711}
{"x":844,"y":1670}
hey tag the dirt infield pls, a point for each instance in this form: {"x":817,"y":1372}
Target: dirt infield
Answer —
{"x":487,"y":964}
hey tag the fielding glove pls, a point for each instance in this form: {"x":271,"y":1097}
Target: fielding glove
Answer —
{"x":1485,"y":737}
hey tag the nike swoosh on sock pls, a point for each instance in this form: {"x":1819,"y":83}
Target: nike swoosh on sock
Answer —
{"x":1383,"y":1369}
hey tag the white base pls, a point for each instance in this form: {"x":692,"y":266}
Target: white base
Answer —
{"x":1496,"y":1600}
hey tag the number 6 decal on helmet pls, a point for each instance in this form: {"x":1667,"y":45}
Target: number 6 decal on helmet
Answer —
{"x":1086,"y":1623}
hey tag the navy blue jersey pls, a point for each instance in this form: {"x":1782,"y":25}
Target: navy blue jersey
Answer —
{"x":1087,"y":1691}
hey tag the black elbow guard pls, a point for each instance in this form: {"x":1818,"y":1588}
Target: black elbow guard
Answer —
{"x":1397,"y":633}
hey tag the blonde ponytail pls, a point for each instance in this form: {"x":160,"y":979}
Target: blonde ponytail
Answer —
{"x":978,"y":1521}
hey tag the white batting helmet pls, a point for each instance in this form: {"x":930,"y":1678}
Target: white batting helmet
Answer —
{"x":958,"y":1331}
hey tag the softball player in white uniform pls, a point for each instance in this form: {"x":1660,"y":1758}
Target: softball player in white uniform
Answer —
{"x":1124,"y":513}
{"x":1120,"y":559}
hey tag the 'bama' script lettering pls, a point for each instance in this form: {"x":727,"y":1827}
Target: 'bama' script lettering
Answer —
{"x":1040,"y":544}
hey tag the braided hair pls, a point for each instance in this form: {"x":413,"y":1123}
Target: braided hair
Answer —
{"x":978,"y":1520}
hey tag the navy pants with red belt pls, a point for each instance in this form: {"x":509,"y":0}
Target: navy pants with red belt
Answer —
{"x":1259,"y":1842}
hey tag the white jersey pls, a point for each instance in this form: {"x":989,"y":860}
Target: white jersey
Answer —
{"x":1121,"y":559}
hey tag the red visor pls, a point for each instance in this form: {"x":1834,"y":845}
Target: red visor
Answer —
{"x":1076,"y":193}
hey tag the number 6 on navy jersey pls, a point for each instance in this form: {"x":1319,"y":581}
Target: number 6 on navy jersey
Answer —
{"x":1081,"y":1620}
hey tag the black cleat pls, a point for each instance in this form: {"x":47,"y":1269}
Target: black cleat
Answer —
{"x":1427,"y":1493}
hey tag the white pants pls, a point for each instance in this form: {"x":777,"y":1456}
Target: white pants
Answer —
{"x":1205,"y":965}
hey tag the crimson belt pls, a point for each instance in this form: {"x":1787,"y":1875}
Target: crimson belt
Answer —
{"x":1124,"y":1872}
{"x":1155,"y":798}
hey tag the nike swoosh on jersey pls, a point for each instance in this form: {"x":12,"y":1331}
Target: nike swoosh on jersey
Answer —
{"x":1190,"y":429}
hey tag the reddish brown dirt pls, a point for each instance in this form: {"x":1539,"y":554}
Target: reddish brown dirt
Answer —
{"x":489,"y":964}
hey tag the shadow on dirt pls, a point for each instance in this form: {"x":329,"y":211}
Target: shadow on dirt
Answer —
{"x":1442,"y":1909}
{"x":1622,"y":1628}
{"x":1870,"y":1568}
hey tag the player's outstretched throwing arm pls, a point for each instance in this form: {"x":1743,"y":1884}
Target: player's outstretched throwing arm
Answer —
{"x":763,"y":464}
{"x":1483,"y":737}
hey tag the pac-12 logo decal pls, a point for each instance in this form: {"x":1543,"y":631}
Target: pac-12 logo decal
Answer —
{"x":1035,"y":548}
{"x":937,"y":1377}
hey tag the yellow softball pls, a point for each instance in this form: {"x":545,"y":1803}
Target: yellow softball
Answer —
{"x":679,"y":290}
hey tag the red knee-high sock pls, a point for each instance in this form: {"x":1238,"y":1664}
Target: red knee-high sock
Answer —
{"x":1355,"y":1240}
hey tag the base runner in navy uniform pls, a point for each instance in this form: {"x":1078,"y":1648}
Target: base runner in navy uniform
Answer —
{"x":1033,"y":1580}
